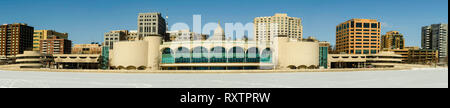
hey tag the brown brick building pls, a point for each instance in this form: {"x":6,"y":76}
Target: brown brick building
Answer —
{"x":15,"y":39}
{"x":55,"y":46}
{"x":393,"y":40}
{"x":358,"y":36}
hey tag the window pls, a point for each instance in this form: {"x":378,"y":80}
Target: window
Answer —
{"x":352,"y":24}
{"x":366,"y":25}
{"x":374,"y":25}
{"x":358,"y":51}
{"x":85,"y":49}
{"x":366,"y":51}
{"x":359,"y":25}
{"x":373,"y":51}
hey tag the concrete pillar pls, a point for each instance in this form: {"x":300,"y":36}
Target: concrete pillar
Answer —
{"x":154,"y":43}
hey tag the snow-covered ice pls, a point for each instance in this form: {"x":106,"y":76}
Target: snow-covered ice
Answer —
{"x":416,"y":78}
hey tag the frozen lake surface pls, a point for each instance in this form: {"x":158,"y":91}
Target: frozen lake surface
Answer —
{"x":416,"y":78}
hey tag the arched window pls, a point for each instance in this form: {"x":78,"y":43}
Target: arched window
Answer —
{"x":183,"y":55}
{"x":200,"y":55}
{"x":218,"y":55}
{"x":236,"y":55}
{"x":266,"y":56}
{"x":252,"y":55}
{"x":167,"y":56}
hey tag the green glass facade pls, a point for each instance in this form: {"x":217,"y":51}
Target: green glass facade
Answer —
{"x":323,"y":57}
{"x":216,"y":55}
{"x":105,"y":58}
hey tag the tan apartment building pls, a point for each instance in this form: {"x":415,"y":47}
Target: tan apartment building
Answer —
{"x":392,"y":40}
{"x":46,"y":34}
{"x":267,"y":28}
{"x":55,"y":46}
{"x":114,"y":36}
{"x":358,"y":36}
{"x":152,"y":24}
{"x":15,"y":39}
{"x":86,"y":49}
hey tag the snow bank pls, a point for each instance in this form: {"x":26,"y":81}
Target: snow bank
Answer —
{"x":416,"y":78}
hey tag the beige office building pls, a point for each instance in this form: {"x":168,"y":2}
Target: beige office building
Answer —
{"x":266,"y":28}
{"x":358,"y":36}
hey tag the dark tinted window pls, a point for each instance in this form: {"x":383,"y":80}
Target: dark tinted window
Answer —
{"x":366,"y":25}
{"x":374,"y":25}
{"x":358,"y":24}
{"x":352,"y":24}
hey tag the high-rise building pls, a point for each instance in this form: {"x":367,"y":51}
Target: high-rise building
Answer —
{"x":55,"y":46}
{"x":15,"y":39}
{"x":86,"y":49}
{"x":46,"y":34}
{"x":152,"y":24}
{"x":392,"y":40}
{"x":114,"y":36}
{"x":435,"y":37}
{"x":266,"y":28}
{"x":358,"y":36}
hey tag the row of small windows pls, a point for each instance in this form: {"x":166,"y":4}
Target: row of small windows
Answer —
{"x":111,"y":38}
{"x":147,"y":16}
{"x":357,"y":25}
{"x":112,"y":35}
{"x":147,"y":23}
{"x":363,"y":51}
{"x":147,"y":20}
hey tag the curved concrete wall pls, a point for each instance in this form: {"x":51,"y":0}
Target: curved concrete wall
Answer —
{"x":130,"y":54}
{"x":153,"y":52}
{"x":296,"y":53}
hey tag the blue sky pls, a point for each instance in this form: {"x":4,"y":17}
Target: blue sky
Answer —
{"x":88,"y":20}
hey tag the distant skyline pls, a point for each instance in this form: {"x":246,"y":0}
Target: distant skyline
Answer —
{"x":86,"y":21}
